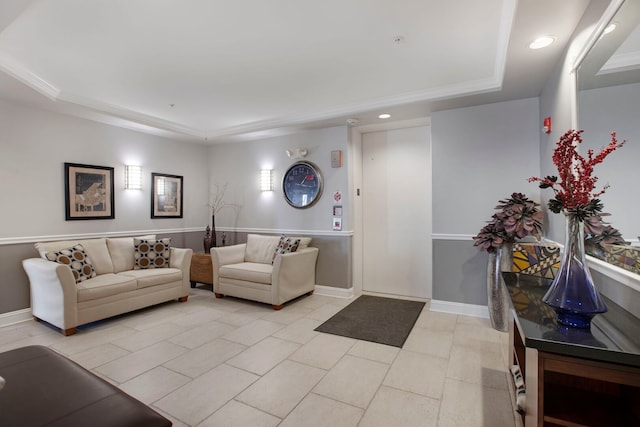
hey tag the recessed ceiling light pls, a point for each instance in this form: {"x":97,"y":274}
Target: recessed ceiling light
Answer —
{"x":610,"y":27}
{"x":541,"y":42}
{"x":384,"y":116}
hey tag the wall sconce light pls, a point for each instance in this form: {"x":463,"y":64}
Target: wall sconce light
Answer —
{"x":266,"y":180}
{"x":132,"y":177}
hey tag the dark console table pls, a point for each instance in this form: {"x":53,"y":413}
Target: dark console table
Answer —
{"x":573,"y":377}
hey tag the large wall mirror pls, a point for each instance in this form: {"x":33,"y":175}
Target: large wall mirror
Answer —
{"x":608,"y":82}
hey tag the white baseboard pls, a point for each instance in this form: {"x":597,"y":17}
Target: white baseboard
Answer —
{"x":13,"y":317}
{"x":330,"y":291}
{"x":460,"y":308}
{"x":404,"y":297}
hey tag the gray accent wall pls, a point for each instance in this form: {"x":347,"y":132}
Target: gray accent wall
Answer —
{"x":14,"y":285}
{"x":459,"y":272}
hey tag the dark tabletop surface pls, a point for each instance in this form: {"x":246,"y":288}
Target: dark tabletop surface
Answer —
{"x":614,"y":336}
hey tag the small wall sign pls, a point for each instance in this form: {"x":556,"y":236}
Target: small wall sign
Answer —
{"x":336,"y":159}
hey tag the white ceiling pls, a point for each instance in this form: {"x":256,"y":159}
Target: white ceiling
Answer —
{"x":214,"y":70}
{"x":615,"y":57}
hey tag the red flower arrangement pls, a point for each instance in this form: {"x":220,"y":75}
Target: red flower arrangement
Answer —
{"x":575,"y":193}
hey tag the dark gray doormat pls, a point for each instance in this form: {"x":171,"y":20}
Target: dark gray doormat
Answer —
{"x":382,"y":320}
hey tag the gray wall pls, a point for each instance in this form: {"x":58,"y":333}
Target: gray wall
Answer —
{"x":557,"y":101}
{"x":239,"y":164}
{"x":34,"y":146}
{"x":601,"y":111}
{"x":483,"y":153}
{"x":480,"y":155}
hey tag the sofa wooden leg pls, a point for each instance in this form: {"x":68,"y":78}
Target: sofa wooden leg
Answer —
{"x":183,"y":299}
{"x":310,"y":293}
{"x":219,"y":295}
{"x":37,"y":319}
{"x":277,"y":307}
{"x":70,"y":331}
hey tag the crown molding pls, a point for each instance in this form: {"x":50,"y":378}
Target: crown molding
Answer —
{"x":151,"y":124}
{"x":18,"y":71}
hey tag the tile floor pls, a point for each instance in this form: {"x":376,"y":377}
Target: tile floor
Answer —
{"x":229,"y":362}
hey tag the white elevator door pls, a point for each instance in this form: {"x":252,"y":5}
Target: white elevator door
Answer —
{"x":396,"y":193}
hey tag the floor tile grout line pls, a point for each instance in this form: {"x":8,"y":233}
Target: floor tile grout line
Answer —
{"x":251,"y":312}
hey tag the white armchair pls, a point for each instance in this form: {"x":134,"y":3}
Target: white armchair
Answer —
{"x":246,"y":270}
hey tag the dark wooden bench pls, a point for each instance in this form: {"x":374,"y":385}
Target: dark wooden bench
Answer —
{"x":45,"y":388}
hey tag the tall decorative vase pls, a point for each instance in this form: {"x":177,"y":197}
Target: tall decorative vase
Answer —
{"x":213,"y":231}
{"x":572,"y":293}
{"x":497,"y":296}
{"x":207,"y":239}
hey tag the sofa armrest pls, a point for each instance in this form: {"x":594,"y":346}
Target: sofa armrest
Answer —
{"x":225,"y":255}
{"x":53,"y":292}
{"x":181,"y":258}
{"x":294,"y":274}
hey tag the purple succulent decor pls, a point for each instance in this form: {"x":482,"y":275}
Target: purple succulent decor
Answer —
{"x":598,"y":233}
{"x":518,"y":217}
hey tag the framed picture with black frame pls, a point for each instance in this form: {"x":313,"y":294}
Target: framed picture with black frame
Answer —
{"x":166,"y":196}
{"x":88,"y":192}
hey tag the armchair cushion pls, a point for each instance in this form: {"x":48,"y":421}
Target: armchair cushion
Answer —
{"x":304,"y":242}
{"x":260,"y":249}
{"x":248,"y":271}
{"x":77,"y":260}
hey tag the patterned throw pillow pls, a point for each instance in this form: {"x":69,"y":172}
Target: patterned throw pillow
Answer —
{"x":76,"y":258}
{"x":151,"y":253}
{"x":285,"y":246}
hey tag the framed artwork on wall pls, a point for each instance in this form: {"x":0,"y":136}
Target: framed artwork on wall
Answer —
{"x":166,"y":196}
{"x":88,"y":192}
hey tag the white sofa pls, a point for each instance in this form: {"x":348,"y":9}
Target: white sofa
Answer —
{"x":250,"y":270}
{"x":118,"y":287}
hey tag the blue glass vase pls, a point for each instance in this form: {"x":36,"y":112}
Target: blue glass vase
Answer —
{"x":573,"y":294}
